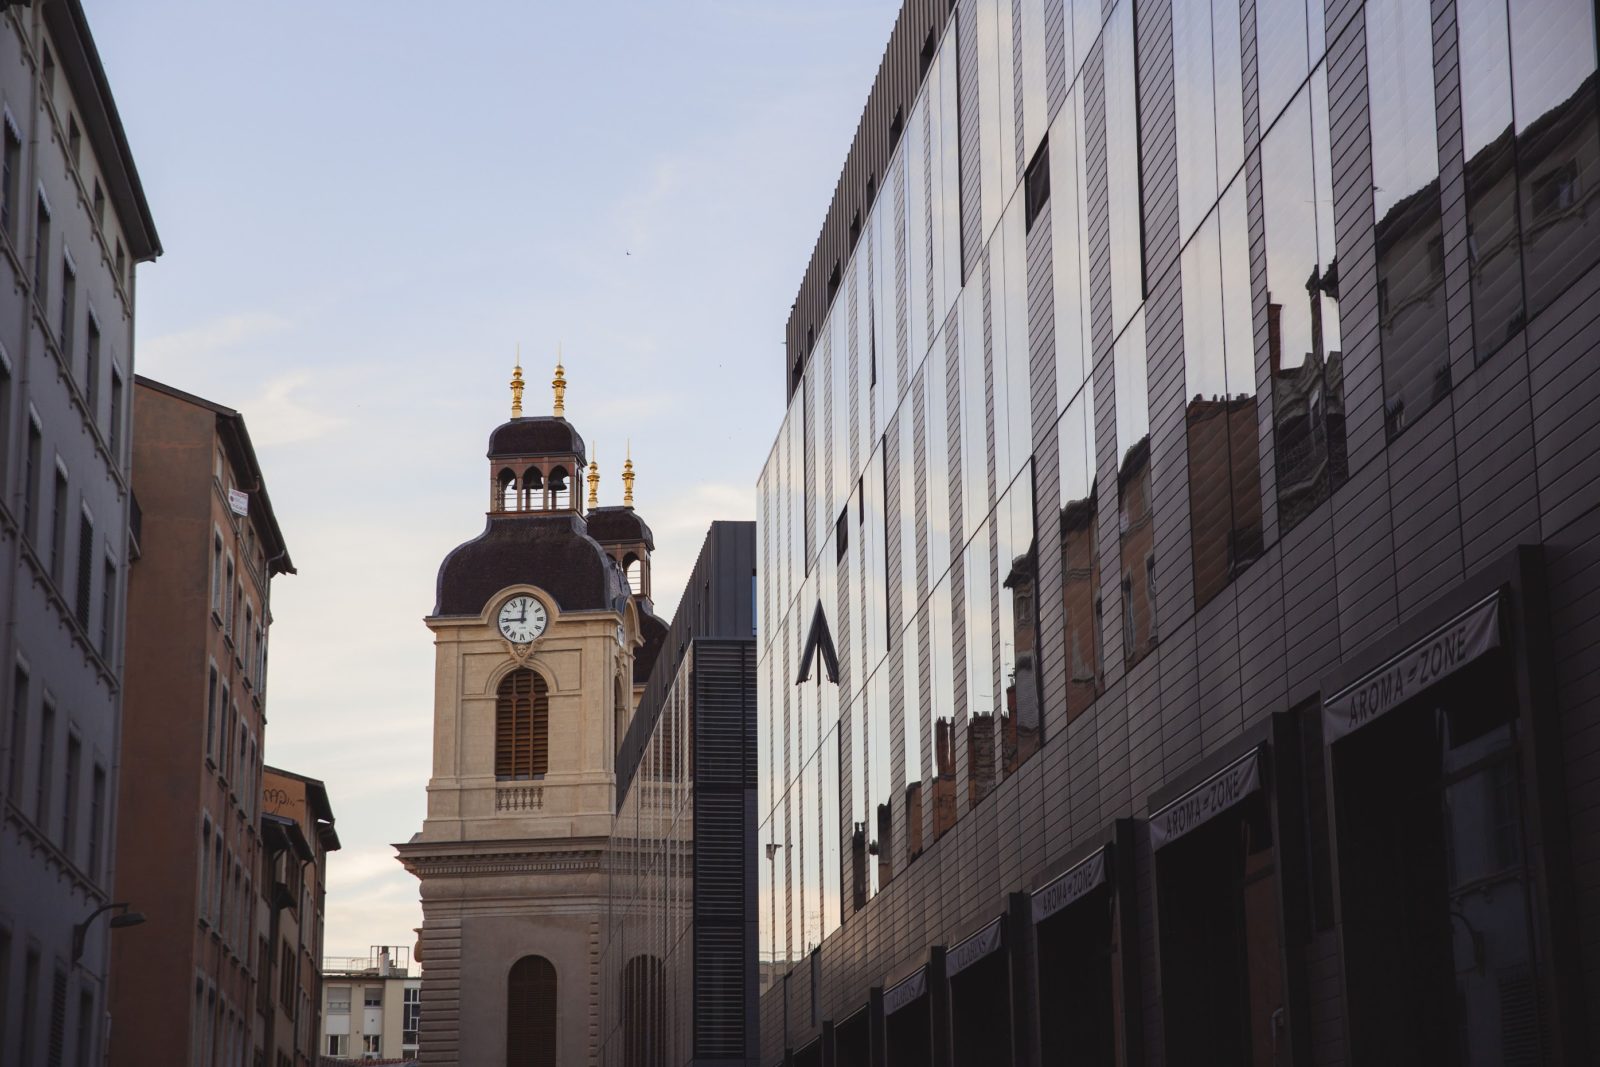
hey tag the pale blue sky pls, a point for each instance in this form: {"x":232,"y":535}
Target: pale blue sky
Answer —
{"x":366,"y":205}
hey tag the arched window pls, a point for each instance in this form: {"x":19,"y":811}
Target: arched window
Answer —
{"x":506,"y":499}
{"x":531,"y":1013}
{"x":633,"y":571}
{"x":522,"y":726}
{"x":644,"y":1004}
{"x":558,"y":486}
{"x":532,"y":489}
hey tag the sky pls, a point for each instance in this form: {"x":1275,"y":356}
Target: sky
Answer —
{"x":367,"y":206}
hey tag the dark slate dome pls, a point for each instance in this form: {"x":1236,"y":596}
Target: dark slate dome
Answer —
{"x":540,"y":435}
{"x":551,"y":552}
{"x":654,"y":632}
{"x":619,"y":525}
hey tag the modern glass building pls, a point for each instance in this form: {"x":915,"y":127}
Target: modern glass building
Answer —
{"x":1178,"y":558}
{"x":677,"y":941}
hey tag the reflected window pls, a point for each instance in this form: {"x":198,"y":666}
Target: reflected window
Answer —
{"x":1080,"y":556}
{"x":1220,"y":418}
{"x":1135,"y":518}
{"x":1305,"y":363}
{"x":1558,"y":142}
{"x":1405,"y":181}
{"x":1494,"y":245}
{"x":941,"y":629}
{"x":981,"y":696}
{"x":1016,"y":559}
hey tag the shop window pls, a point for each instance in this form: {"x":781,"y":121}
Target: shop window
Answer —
{"x":980,"y":1010}
{"x":908,"y":1024}
{"x":1077,"y":995}
{"x":1435,"y":879}
{"x":1222,"y":982}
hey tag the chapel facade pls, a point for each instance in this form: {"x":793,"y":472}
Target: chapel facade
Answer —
{"x":544,"y":633}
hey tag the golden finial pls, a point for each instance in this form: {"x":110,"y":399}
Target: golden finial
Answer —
{"x":516,"y":387}
{"x":559,"y":384}
{"x":594,"y":481}
{"x":627,"y":479}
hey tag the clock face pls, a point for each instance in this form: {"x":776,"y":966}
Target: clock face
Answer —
{"x":522,"y":620}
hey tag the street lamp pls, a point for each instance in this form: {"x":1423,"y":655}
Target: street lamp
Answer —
{"x":123,"y":918}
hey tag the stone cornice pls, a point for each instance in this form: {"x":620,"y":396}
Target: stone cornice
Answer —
{"x":492,"y":858}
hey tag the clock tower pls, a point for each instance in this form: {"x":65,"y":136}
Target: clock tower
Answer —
{"x":542,"y":628}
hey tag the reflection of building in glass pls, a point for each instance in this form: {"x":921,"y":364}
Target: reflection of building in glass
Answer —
{"x":1136,"y":521}
{"x":1308,"y":410}
{"x":1222,"y":436}
{"x":1361,"y":678}
{"x":1020,"y":728}
{"x":1080,"y":595}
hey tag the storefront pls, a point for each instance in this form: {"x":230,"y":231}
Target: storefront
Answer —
{"x":1082,"y":975}
{"x":1219,"y":919}
{"x":908,"y":1018}
{"x":1444,"y":853}
{"x":852,"y":1039}
{"x":980,"y":997}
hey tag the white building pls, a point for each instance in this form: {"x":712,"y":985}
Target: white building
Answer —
{"x":73,"y":223}
{"x":370,"y":1007}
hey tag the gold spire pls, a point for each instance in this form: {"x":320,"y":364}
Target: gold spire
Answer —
{"x":559,"y":384}
{"x":594,"y":481}
{"x":627,"y":479}
{"x":516,"y":387}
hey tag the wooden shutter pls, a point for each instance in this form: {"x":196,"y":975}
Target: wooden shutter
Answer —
{"x":522,"y":716}
{"x":531,"y":1013}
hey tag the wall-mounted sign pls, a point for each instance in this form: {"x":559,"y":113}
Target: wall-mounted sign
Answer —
{"x":1071,"y":886}
{"x":1206,"y":801}
{"x":899,"y":996}
{"x":1434,"y":658}
{"x":973,"y":949}
{"x":238,"y":502}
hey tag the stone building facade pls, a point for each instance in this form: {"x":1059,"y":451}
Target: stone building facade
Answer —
{"x":73,"y":225}
{"x":540,"y":645}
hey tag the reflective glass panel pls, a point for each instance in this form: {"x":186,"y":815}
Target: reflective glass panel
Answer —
{"x":1021,"y":725}
{"x":1196,"y":111}
{"x":1035,"y":108}
{"x":1080,"y":556}
{"x":832,"y":901}
{"x":1068,"y":270}
{"x":1123,"y":193}
{"x":1282,"y":60}
{"x":974,"y":415}
{"x":1405,"y":179}
{"x":938,"y":461}
{"x":1558,"y":141}
{"x":914,"y":716}
{"x":942,"y":637}
{"x":880,"y":784}
{"x":906,"y":508}
{"x":1135,"y":516}
{"x":1304,"y":363}
{"x":1013,"y":378}
{"x":1494,"y":246}
{"x":981,"y":695}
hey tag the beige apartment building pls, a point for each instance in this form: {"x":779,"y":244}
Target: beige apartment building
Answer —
{"x":371,"y":1006}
